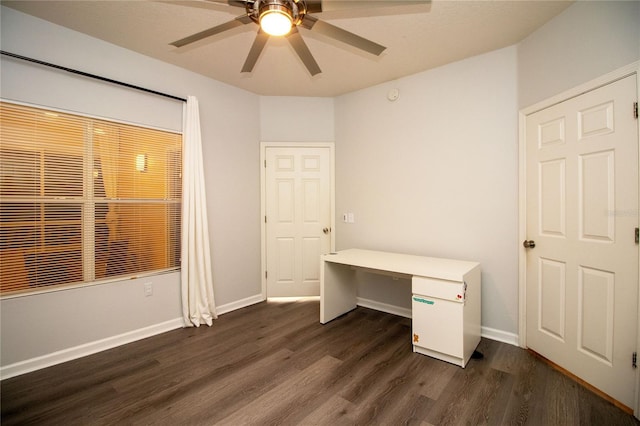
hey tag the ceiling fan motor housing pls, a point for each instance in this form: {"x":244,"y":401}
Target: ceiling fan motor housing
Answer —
{"x":295,"y":10}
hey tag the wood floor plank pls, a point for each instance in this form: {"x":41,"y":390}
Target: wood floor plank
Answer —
{"x":335,"y":411}
{"x":563,"y":402}
{"x":343,"y":340}
{"x":436,"y":377}
{"x":458,"y":394}
{"x":274,"y":363}
{"x":287,"y":403}
{"x":374,"y":369}
{"x":220,"y":398}
{"x":487,"y":406}
{"x":397,"y":399}
{"x":521,"y":402}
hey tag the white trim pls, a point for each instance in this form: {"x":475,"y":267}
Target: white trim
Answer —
{"x":69,"y":354}
{"x":90,"y":116}
{"x":65,"y":287}
{"x":608,"y":78}
{"x":636,"y":408}
{"x":522,"y":229}
{"x":499,"y":335}
{"x":239,"y":304}
{"x":263,"y":207}
{"x":86,"y":349}
{"x":486,"y":332}
{"x":384,"y":307}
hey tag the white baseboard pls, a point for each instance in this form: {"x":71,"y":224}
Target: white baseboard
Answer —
{"x":86,"y":349}
{"x":75,"y":352}
{"x":486,"y":332}
{"x":238,"y":304}
{"x":90,"y":348}
{"x":500,"y":336}
{"x":384,"y":307}
{"x":69,"y":354}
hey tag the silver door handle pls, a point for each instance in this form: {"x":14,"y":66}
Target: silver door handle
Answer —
{"x":326,"y":230}
{"x":529,"y":244}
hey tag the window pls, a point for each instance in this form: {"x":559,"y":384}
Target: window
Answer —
{"x":83,"y":200}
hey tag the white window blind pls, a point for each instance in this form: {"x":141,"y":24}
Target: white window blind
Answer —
{"x":83,"y":200}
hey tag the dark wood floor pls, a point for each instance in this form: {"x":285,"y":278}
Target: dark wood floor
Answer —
{"x":275,"y":364}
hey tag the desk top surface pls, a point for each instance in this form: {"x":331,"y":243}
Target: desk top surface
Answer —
{"x":447,"y":269}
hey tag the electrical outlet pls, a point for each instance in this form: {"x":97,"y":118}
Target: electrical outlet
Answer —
{"x":148,"y":290}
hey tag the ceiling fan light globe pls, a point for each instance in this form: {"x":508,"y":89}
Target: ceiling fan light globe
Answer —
{"x":276,"y":22}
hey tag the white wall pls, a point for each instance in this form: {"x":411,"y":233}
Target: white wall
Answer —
{"x":38,"y":325}
{"x":47,"y":323}
{"x":296,"y":119}
{"x":435,"y":173}
{"x":587,"y":40}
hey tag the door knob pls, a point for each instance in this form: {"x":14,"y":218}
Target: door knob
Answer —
{"x":326,"y":230}
{"x":529,"y":244}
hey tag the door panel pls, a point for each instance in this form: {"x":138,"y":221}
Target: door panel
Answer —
{"x":285,"y":257}
{"x":596,"y":310}
{"x":552,"y":205}
{"x":298,"y":209}
{"x":551,"y":307}
{"x":596,"y":176}
{"x":582,"y":210}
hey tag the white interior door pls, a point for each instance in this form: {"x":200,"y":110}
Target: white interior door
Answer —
{"x":298,"y":218}
{"x":582,"y":211}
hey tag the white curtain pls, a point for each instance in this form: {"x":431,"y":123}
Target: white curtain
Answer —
{"x":198,"y":305}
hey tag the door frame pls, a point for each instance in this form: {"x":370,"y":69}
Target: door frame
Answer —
{"x":263,"y":201}
{"x":629,"y":70}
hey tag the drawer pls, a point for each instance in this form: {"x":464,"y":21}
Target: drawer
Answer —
{"x":442,"y":289}
{"x":438,"y":325}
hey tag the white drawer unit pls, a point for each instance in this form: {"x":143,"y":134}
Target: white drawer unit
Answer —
{"x":446,"y":317}
{"x":442,"y":289}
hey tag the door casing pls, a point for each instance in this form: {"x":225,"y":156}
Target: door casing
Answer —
{"x":632,"y":69}
{"x":263,"y":202}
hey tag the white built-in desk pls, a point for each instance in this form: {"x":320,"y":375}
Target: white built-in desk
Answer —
{"x":445,"y":302}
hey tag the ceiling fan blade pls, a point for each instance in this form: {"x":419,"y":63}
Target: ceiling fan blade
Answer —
{"x":235,"y":3}
{"x":321,"y":27}
{"x":298,"y":44}
{"x":314,"y":6}
{"x":240,"y":20}
{"x":222,"y":5}
{"x":340,"y":5}
{"x":256,"y":50}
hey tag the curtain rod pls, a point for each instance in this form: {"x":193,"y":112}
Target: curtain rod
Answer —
{"x":97,"y":77}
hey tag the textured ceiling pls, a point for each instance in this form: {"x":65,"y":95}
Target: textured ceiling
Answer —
{"x":418,"y":37}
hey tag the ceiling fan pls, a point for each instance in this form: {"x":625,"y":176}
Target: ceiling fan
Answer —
{"x":281,"y":18}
